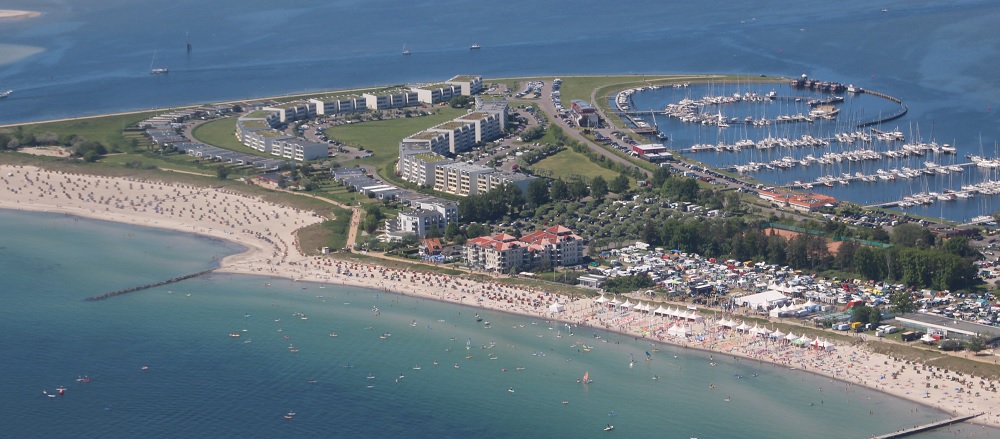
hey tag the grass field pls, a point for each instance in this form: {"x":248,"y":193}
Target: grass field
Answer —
{"x":221,"y":133}
{"x":382,"y":137}
{"x":106,"y":129}
{"x":568,"y":162}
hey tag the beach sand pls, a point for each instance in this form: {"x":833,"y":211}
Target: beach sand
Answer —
{"x":17,"y":15}
{"x":268,"y":230}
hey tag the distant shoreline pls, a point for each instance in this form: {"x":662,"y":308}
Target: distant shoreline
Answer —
{"x":18,"y":15}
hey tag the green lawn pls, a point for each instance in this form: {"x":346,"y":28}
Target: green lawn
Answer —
{"x":383,"y":136}
{"x":222,"y":133}
{"x":105,"y":129}
{"x":568,"y":162}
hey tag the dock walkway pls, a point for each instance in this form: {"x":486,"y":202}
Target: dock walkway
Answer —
{"x":926,"y":427}
{"x":147,"y":286}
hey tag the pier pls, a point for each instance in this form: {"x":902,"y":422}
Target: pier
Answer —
{"x":902,"y":112}
{"x":926,"y":427}
{"x":147,"y":286}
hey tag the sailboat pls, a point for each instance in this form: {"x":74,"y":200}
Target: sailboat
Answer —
{"x":156,"y":70}
{"x":405,"y":52}
{"x":586,"y":378}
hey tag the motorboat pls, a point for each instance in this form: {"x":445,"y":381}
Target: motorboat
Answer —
{"x":609,"y":427}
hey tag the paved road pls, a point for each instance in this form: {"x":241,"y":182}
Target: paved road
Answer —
{"x":546,"y":105}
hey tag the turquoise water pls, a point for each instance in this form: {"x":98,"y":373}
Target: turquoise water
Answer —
{"x":202,"y":382}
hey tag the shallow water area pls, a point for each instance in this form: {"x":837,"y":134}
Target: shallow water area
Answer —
{"x":227,"y":355}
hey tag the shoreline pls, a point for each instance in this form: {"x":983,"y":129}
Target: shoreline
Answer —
{"x":267,"y":232}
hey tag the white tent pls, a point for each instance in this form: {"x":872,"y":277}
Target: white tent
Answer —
{"x":677,"y":330}
{"x":777,"y":333}
{"x":805,"y":339}
{"x":743,"y":327}
{"x":556,"y":307}
{"x":639,"y":307}
{"x":601,"y":299}
{"x":691,"y":315}
{"x":615,"y":301}
{"x":626,"y":305}
{"x":661,"y":310}
{"x":791,"y":337}
{"x":763,"y":300}
{"x":727,"y":323}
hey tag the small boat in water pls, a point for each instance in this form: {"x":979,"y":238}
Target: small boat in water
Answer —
{"x":5,"y":93}
{"x":475,"y":46}
{"x":290,"y":415}
{"x":609,"y":427}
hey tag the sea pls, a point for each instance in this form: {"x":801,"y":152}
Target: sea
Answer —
{"x":164,"y":362}
{"x":233,"y":356}
{"x":87,"y":58}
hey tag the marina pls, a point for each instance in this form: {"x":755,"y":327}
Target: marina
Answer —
{"x":775,"y":134}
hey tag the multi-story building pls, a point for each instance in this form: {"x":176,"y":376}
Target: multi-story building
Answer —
{"x":460,"y":178}
{"x":554,"y":246}
{"x":498,"y":254}
{"x":461,"y":134}
{"x":497,"y":107}
{"x":339,"y":104}
{"x":486,"y":125}
{"x":469,"y":84}
{"x":437,"y":142}
{"x":396,"y":98}
{"x":419,"y":165}
{"x":489,"y":182}
{"x":425,"y":217}
{"x":299,"y":149}
{"x":435,"y":93}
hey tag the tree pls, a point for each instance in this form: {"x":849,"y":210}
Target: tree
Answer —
{"x":221,"y":172}
{"x":559,"y":190}
{"x":451,"y":231}
{"x":912,"y":235}
{"x":475,"y":230}
{"x":619,"y":184}
{"x":537,"y":192}
{"x":577,"y":189}
{"x":660,"y":175}
{"x":977,"y":344}
{"x":533,"y":133}
{"x":901,"y":302}
{"x":598,"y":187}
{"x":460,"y":101}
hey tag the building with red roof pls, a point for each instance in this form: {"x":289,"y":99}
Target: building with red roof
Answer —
{"x":800,"y":202}
{"x":554,"y":246}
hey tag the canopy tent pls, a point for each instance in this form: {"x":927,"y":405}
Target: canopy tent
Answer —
{"x":765,"y":300}
{"x":601,"y":299}
{"x":805,"y":339}
{"x":691,"y":315}
{"x":743,"y":327}
{"x":791,"y":337}
{"x":677,"y":330}
{"x":556,"y":307}
{"x":661,"y":310}
{"x":626,"y":305}
{"x":727,"y":323}
{"x":777,"y":334}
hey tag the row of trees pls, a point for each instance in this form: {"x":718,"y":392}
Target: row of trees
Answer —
{"x":947,"y":265}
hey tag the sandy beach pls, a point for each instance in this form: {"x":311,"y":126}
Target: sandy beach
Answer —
{"x":17,"y":15}
{"x":267,"y":230}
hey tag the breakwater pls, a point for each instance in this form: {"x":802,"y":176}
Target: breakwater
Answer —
{"x":926,"y":427}
{"x":147,"y":286}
